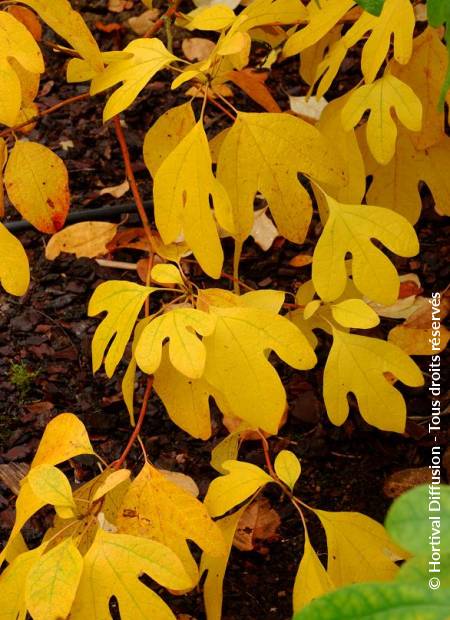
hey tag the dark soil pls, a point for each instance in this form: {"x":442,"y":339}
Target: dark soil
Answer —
{"x":47,"y":335}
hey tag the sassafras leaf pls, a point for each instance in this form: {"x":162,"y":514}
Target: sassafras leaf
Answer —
{"x":156,"y":508}
{"x":242,"y":481}
{"x":183,"y":185}
{"x":148,"y":57}
{"x":36,"y":180}
{"x":350,"y":228}
{"x":265,"y":152}
{"x":51,"y":486}
{"x":69,"y":24}
{"x":186,"y":352}
{"x":358,"y":548}
{"x":215,"y":17}
{"x":357,"y":364}
{"x":64,"y":437}
{"x":12,"y":585}
{"x":122,"y":301}
{"x":52,"y":582}
{"x":87,"y":239}
{"x":236,"y":355}
{"x":14,"y":267}
{"x":380,"y":98}
{"x":112,"y":567}
{"x":354,"y":313}
{"x":311,"y":580}
{"x":287,"y":467}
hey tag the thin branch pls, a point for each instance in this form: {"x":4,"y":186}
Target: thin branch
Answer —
{"x":171,"y":11}
{"x":44,"y":113}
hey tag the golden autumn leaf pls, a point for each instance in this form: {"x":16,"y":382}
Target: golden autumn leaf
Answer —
{"x":265,"y":152}
{"x":186,"y":352}
{"x":112,"y":567}
{"x":380,"y":98}
{"x":87,"y":239}
{"x":183,"y":185}
{"x":29,"y":19}
{"x":350,"y":228}
{"x":52,"y":582}
{"x":214,"y":17}
{"x":242,"y":481}
{"x":287,"y":467}
{"x":122,"y":301}
{"x":312,"y":579}
{"x":69,"y":24}
{"x":3,"y":160}
{"x":354,"y":313}
{"x":51,"y":486}
{"x":36,"y":180}
{"x":156,"y":508}
{"x":12,"y":585}
{"x":358,"y":364}
{"x":64,"y":437}
{"x":17,"y":43}
{"x":358,"y":548}
{"x":165,"y":134}
{"x":14,"y":267}
{"x":148,"y":57}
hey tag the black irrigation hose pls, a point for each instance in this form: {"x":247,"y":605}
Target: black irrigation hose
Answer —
{"x":84,"y":215}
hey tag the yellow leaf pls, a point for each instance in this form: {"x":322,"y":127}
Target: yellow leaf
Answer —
{"x":354,"y":313}
{"x":52,"y":582}
{"x":111,"y":482}
{"x":51,"y":486}
{"x":396,"y":186}
{"x":350,"y":228}
{"x":396,"y":20}
{"x":346,"y":143}
{"x":36,"y":180}
{"x":112,"y":567}
{"x":148,"y":57}
{"x":262,"y":12}
{"x":380,"y":98}
{"x":186,"y":352}
{"x":358,"y":364}
{"x":122,"y":301}
{"x":269,"y":300}
{"x":156,"y":508}
{"x":288,"y":468}
{"x":236,"y":355}
{"x":64,"y":437}
{"x":79,"y":70}
{"x":27,"y":504}
{"x":215,"y":17}
{"x":419,"y":341}
{"x":14,"y":268}
{"x":166,"y":274}
{"x":12,"y":585}
{"x":320,"y":22}
{"x":215,"y":567}
{"x":311,"y":580}
{"x":69,"y":24}
{"x":3,"y":160}
{"x":165,"y":134}
{"x":182,"y":189}
{"x":425,"y":74}
{"x":16,"y":42}
{"x":265,"y":152}
{"x":226,"y":450}
{"x":186,"y":400}
{"x":242,"y":481}
{"x":87,"y":239}
{"x":358,"y":548}
{"x":129,"y":377}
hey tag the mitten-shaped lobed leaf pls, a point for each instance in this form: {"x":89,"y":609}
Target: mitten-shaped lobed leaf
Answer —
{"x":264,"y":153}
{"x":380,"y":97}
{"x":112,"y":567}
{"x":242,"y":481}
{"x":148,"y":57}
{"x":350,"y":228}
{"x":183,"y":185}
{"x":122,"y":301}
{"x":156,"y":508}
{"x":186,"y":352}
{"x":358,"y":364}
{"x":37,"y":183}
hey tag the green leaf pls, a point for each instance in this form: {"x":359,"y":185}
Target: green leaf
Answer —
{"x":408,"y":520}
{"x":374,"y":7}
{"x":438,"y":12}
{"x":418,"y":570}
{"x":380,"y":601}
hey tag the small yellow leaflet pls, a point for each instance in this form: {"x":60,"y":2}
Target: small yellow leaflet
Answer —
{"x":14,"y":267}
{"x":287,"y":467}
{"x":311,"y":580}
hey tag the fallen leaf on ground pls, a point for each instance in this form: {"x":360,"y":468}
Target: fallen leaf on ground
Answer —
{"x":197,"y":48}
{"x":143,"y":22}
{"x":116,"y":190}
{"x":117,"y":6}
{"x":308,"y":107}
{"x":85,"y":239}
{"x":264,"y":231}
{"x":258,"y":524}
{"x":405,"y":479}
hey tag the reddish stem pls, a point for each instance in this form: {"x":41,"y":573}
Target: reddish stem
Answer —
{"x":171,"y":11}
{"x":137,"y":429}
